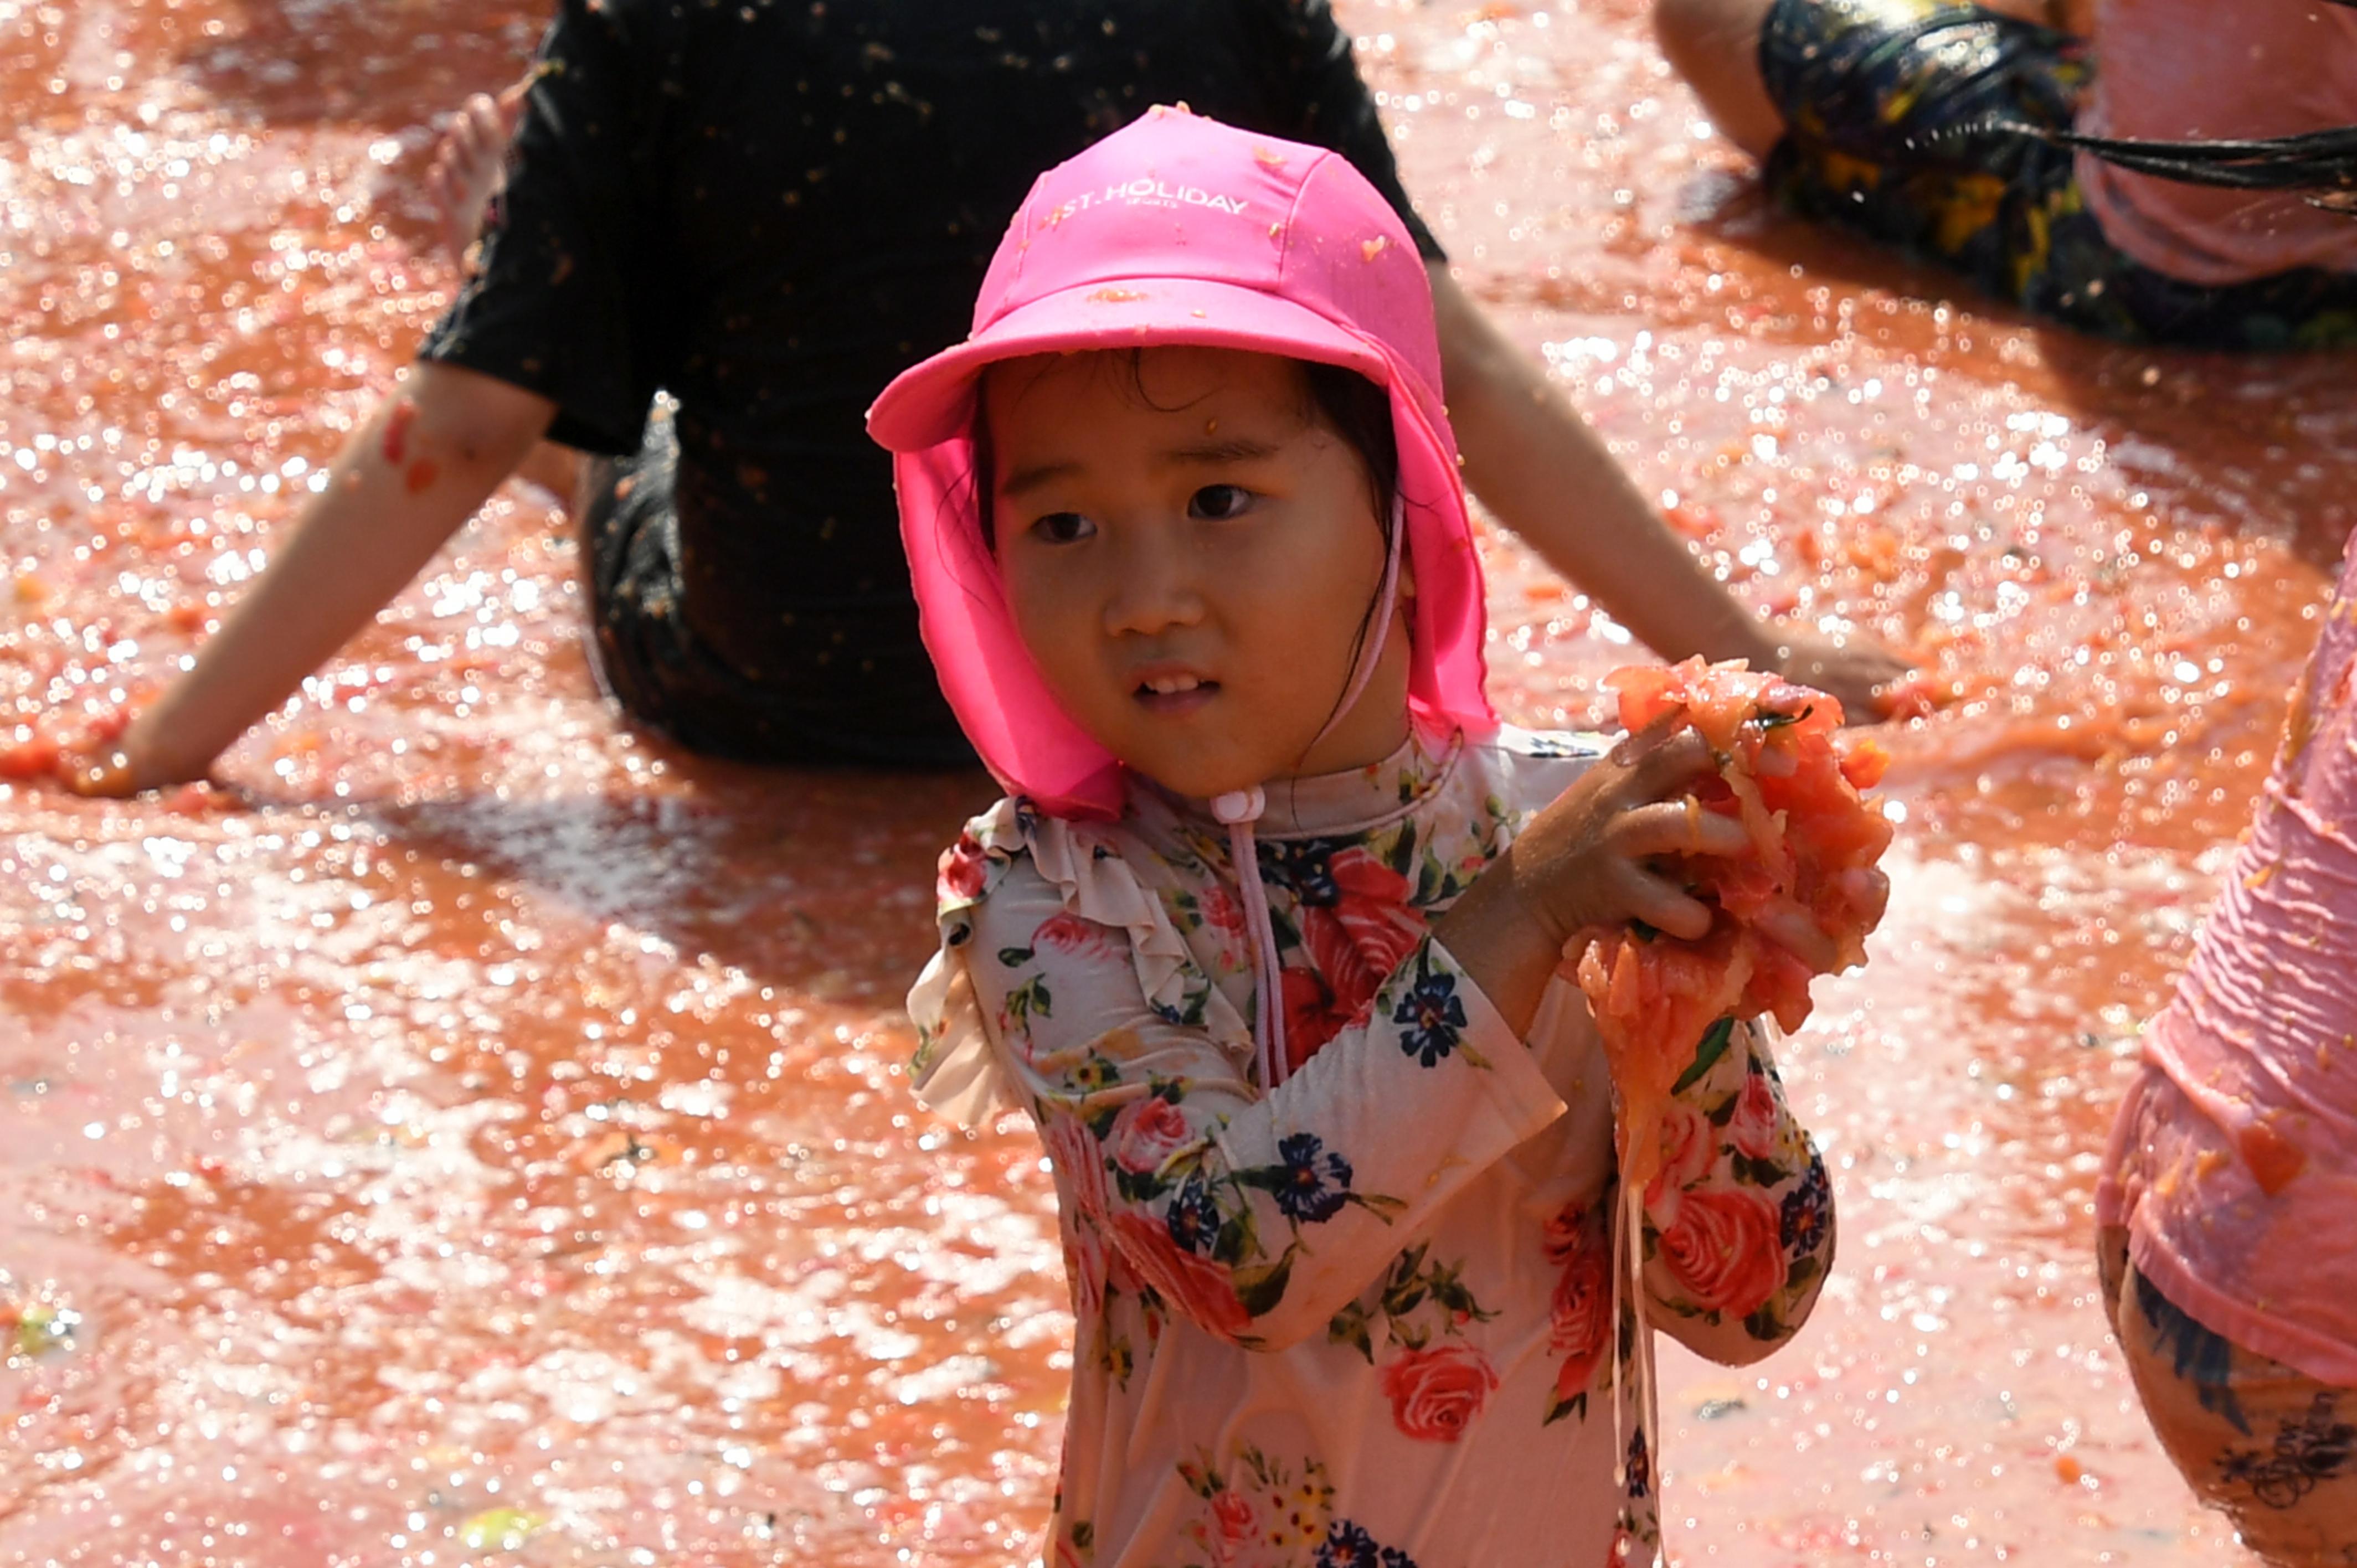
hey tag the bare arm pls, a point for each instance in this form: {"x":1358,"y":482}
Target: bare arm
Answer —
{"x":1536,"y":464}
{"x":426,"y":458}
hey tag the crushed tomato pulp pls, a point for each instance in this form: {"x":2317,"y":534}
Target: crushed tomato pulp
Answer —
{"x":1797,"y":903}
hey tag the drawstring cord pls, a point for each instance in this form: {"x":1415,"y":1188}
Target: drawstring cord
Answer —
{"x":1364,"y":670}
{"x":1239,"y":809}
{"x":1629,"y":1296}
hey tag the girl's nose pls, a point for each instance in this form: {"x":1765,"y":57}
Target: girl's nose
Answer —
{"x":1156,"y":585}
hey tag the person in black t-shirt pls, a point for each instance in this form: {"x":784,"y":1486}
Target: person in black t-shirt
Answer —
{"x":765,"y":209}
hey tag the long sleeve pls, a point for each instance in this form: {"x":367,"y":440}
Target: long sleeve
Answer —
{"x":1345,"y":1317}
{"x":1739,"y":1223}
{"x":1256,"y":1218}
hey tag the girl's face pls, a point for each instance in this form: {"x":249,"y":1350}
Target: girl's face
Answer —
{"x":1191,"y":552}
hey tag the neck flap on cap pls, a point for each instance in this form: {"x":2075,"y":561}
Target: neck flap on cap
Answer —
{"x":1178,"y":229}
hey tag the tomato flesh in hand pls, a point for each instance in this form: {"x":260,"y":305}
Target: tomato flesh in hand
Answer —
{"x":1789,"y":776}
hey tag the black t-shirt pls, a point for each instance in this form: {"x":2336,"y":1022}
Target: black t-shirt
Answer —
{"x":771,"y":209}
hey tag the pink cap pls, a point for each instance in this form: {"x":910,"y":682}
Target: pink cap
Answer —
{"x":1176,"y":230}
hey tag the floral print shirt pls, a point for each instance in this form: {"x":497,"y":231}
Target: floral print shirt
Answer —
{"x":1365,"y":1320}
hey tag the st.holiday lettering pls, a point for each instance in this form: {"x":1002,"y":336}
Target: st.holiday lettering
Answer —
{"x":1143,"y":191}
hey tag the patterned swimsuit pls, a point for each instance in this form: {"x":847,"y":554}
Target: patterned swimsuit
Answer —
{"x":1365,"y":1319}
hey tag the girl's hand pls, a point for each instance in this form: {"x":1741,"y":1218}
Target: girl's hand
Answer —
{"x":1583,"y":863}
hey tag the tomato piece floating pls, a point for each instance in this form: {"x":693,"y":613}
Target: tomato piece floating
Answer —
{"x":35,"y":758}
{"x":1799,"y":902}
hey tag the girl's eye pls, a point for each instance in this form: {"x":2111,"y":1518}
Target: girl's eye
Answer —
{"x":1219,"y":502}
{"x":1063,"y":528}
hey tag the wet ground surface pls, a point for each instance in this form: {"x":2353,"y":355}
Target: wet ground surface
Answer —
{"x":477,"y":1132}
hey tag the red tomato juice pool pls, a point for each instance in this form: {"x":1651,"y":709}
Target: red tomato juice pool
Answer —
{"x":478,"y":1133}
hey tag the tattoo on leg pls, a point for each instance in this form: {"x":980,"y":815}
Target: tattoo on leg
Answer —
{"x":2315,"y":1447}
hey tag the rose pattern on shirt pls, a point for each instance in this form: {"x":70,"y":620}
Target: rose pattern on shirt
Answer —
{"x":1579,"y":1314}
{"x":961,"y":871}
{"x":1754,"y":1128}
{"x":1689,"y":1147}
{"x":1082,"y":1215}
{"x":1196,"y":1200}
{"x":1314,"y":1014}
{"x":1146,"y":1133}
{"x":1438,"y":1390}
{"x":1069,"y":933}
{"x":1354,"y":919}
{"x":1150,"y":1155}
{"x":1216,"y":914}
{"x":1195,"y":1286}
{"x":1732,"y":1251}
{"x":1721,"y":1248}
{"x":1351,"y":925}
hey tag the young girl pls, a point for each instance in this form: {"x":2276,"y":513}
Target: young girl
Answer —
{"x":1264,"y":936}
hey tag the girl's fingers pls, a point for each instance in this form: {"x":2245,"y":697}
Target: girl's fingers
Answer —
{"x":1638,"y":744}
{"x":1665,"y":907}
{"x":1678,"y":827}
{"x":1869,"y":893}
{"x":1664,"y":769}
{"x":476,"y":127}
{"x":1792,"y":928}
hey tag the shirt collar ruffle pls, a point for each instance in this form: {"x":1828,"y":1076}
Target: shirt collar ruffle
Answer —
{"x":1341,"y":805}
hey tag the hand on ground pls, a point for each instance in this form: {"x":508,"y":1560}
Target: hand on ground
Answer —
{"x":120,"y":756}
{"x":1862,"y":674}
{"x":89,"y":754}
{"x":113,"y":772}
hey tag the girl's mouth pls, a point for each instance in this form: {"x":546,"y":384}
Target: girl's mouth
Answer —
{"x":1173,"y":693}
